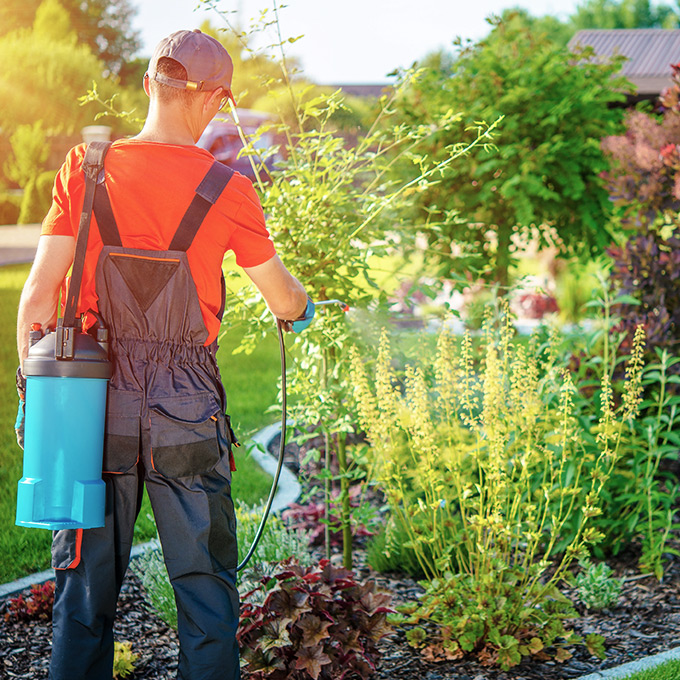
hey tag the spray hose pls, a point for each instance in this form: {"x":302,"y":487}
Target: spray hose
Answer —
{"x":282,"y":441}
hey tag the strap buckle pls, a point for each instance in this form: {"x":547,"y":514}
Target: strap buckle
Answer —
{"x":64,"y":342}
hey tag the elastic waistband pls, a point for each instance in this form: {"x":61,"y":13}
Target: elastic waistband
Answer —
{"x":163,"y":351}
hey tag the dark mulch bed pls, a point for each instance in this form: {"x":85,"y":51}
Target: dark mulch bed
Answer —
{"x":646,"y":621}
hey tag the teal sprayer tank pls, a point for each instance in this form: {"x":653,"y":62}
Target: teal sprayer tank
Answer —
{"x":67,"y":374}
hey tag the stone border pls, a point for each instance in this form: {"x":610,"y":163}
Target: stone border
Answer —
{"x":287,"y":492}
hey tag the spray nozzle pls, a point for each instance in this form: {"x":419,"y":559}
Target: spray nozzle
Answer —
{"x":343,"y":305}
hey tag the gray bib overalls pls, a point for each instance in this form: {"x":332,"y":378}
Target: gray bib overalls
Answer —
{"x":166,"y":428}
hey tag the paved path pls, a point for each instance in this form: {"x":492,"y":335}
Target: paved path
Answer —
{"x":18,"y":243}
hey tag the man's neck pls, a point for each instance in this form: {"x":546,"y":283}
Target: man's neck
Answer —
{"x":169,"y":125}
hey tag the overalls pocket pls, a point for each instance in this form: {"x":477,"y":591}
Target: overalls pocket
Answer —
{"x":121,"y":439}
{"x":184,"y":435}
{"x":66,"y":547}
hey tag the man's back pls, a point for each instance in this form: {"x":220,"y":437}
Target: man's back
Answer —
{"x":150,"y":186}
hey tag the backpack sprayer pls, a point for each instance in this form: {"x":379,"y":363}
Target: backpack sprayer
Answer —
{"x":62,"y":485}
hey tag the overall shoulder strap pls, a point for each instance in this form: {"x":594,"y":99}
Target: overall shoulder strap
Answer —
{"x":108,"y":228}
{"x":93,"y":165}
{"x":207,"y":193}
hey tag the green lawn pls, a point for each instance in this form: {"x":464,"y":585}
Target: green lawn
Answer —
{"x":670,"y":670}
{"x":251,"y":383}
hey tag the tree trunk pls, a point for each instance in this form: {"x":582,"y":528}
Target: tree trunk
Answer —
{"x":503,"y":257}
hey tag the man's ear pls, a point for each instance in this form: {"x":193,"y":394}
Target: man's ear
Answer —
{"x":213,"y":98}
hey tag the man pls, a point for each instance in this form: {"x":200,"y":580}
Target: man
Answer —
{"x":158,"y":288}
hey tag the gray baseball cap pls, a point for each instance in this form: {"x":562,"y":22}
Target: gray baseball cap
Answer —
{"x":207,"y":63}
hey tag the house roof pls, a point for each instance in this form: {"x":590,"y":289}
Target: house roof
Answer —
{"x":650,"y":52}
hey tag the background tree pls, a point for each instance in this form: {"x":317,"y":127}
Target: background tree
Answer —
{"x":44,"y":72}
{"x":105,"y":26}
{"x":546,"y":170}
{"x":604,"y":14}
{"x":624,"y":14}
{"x":30,"y":150}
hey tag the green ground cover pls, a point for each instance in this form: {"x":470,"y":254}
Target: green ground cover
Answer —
{"x":251,"y":382}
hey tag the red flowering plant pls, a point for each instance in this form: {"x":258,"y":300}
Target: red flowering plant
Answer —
{"x":314,"y":622}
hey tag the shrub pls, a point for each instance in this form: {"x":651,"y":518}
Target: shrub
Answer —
{"x":639,"y":501}
{"x":646,"y":270}
{"x":474,"y":617}
{"x":312,"y":622}
{"x":494,"y":478}
{"x":36,"y":607}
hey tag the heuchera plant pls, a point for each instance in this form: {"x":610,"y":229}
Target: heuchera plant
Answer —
{"x":310,"y":518}
{"x":37,"y":606}
{"x":317,"y":622}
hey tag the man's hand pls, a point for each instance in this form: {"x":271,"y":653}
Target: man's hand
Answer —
{"x":299,"y":324}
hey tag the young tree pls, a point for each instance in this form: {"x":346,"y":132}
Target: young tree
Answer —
{"x":556,"y":106}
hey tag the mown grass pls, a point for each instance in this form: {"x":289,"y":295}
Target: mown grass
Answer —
{"x":669,"y":670}
{"x":251,"y":383}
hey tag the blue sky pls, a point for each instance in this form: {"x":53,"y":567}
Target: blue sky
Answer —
{"x":353,"y":41}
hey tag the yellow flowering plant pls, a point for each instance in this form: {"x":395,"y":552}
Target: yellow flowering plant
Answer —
{"x":483,"y":465}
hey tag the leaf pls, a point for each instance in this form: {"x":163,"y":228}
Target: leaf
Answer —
{"x":311,"y":659}
{"x":562,"y":655}
{"x":534,"y":647}
{"x":313,"y":629}
{"x":625,"y":299}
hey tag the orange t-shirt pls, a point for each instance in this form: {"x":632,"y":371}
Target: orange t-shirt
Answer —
{"x":151,"y":185}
